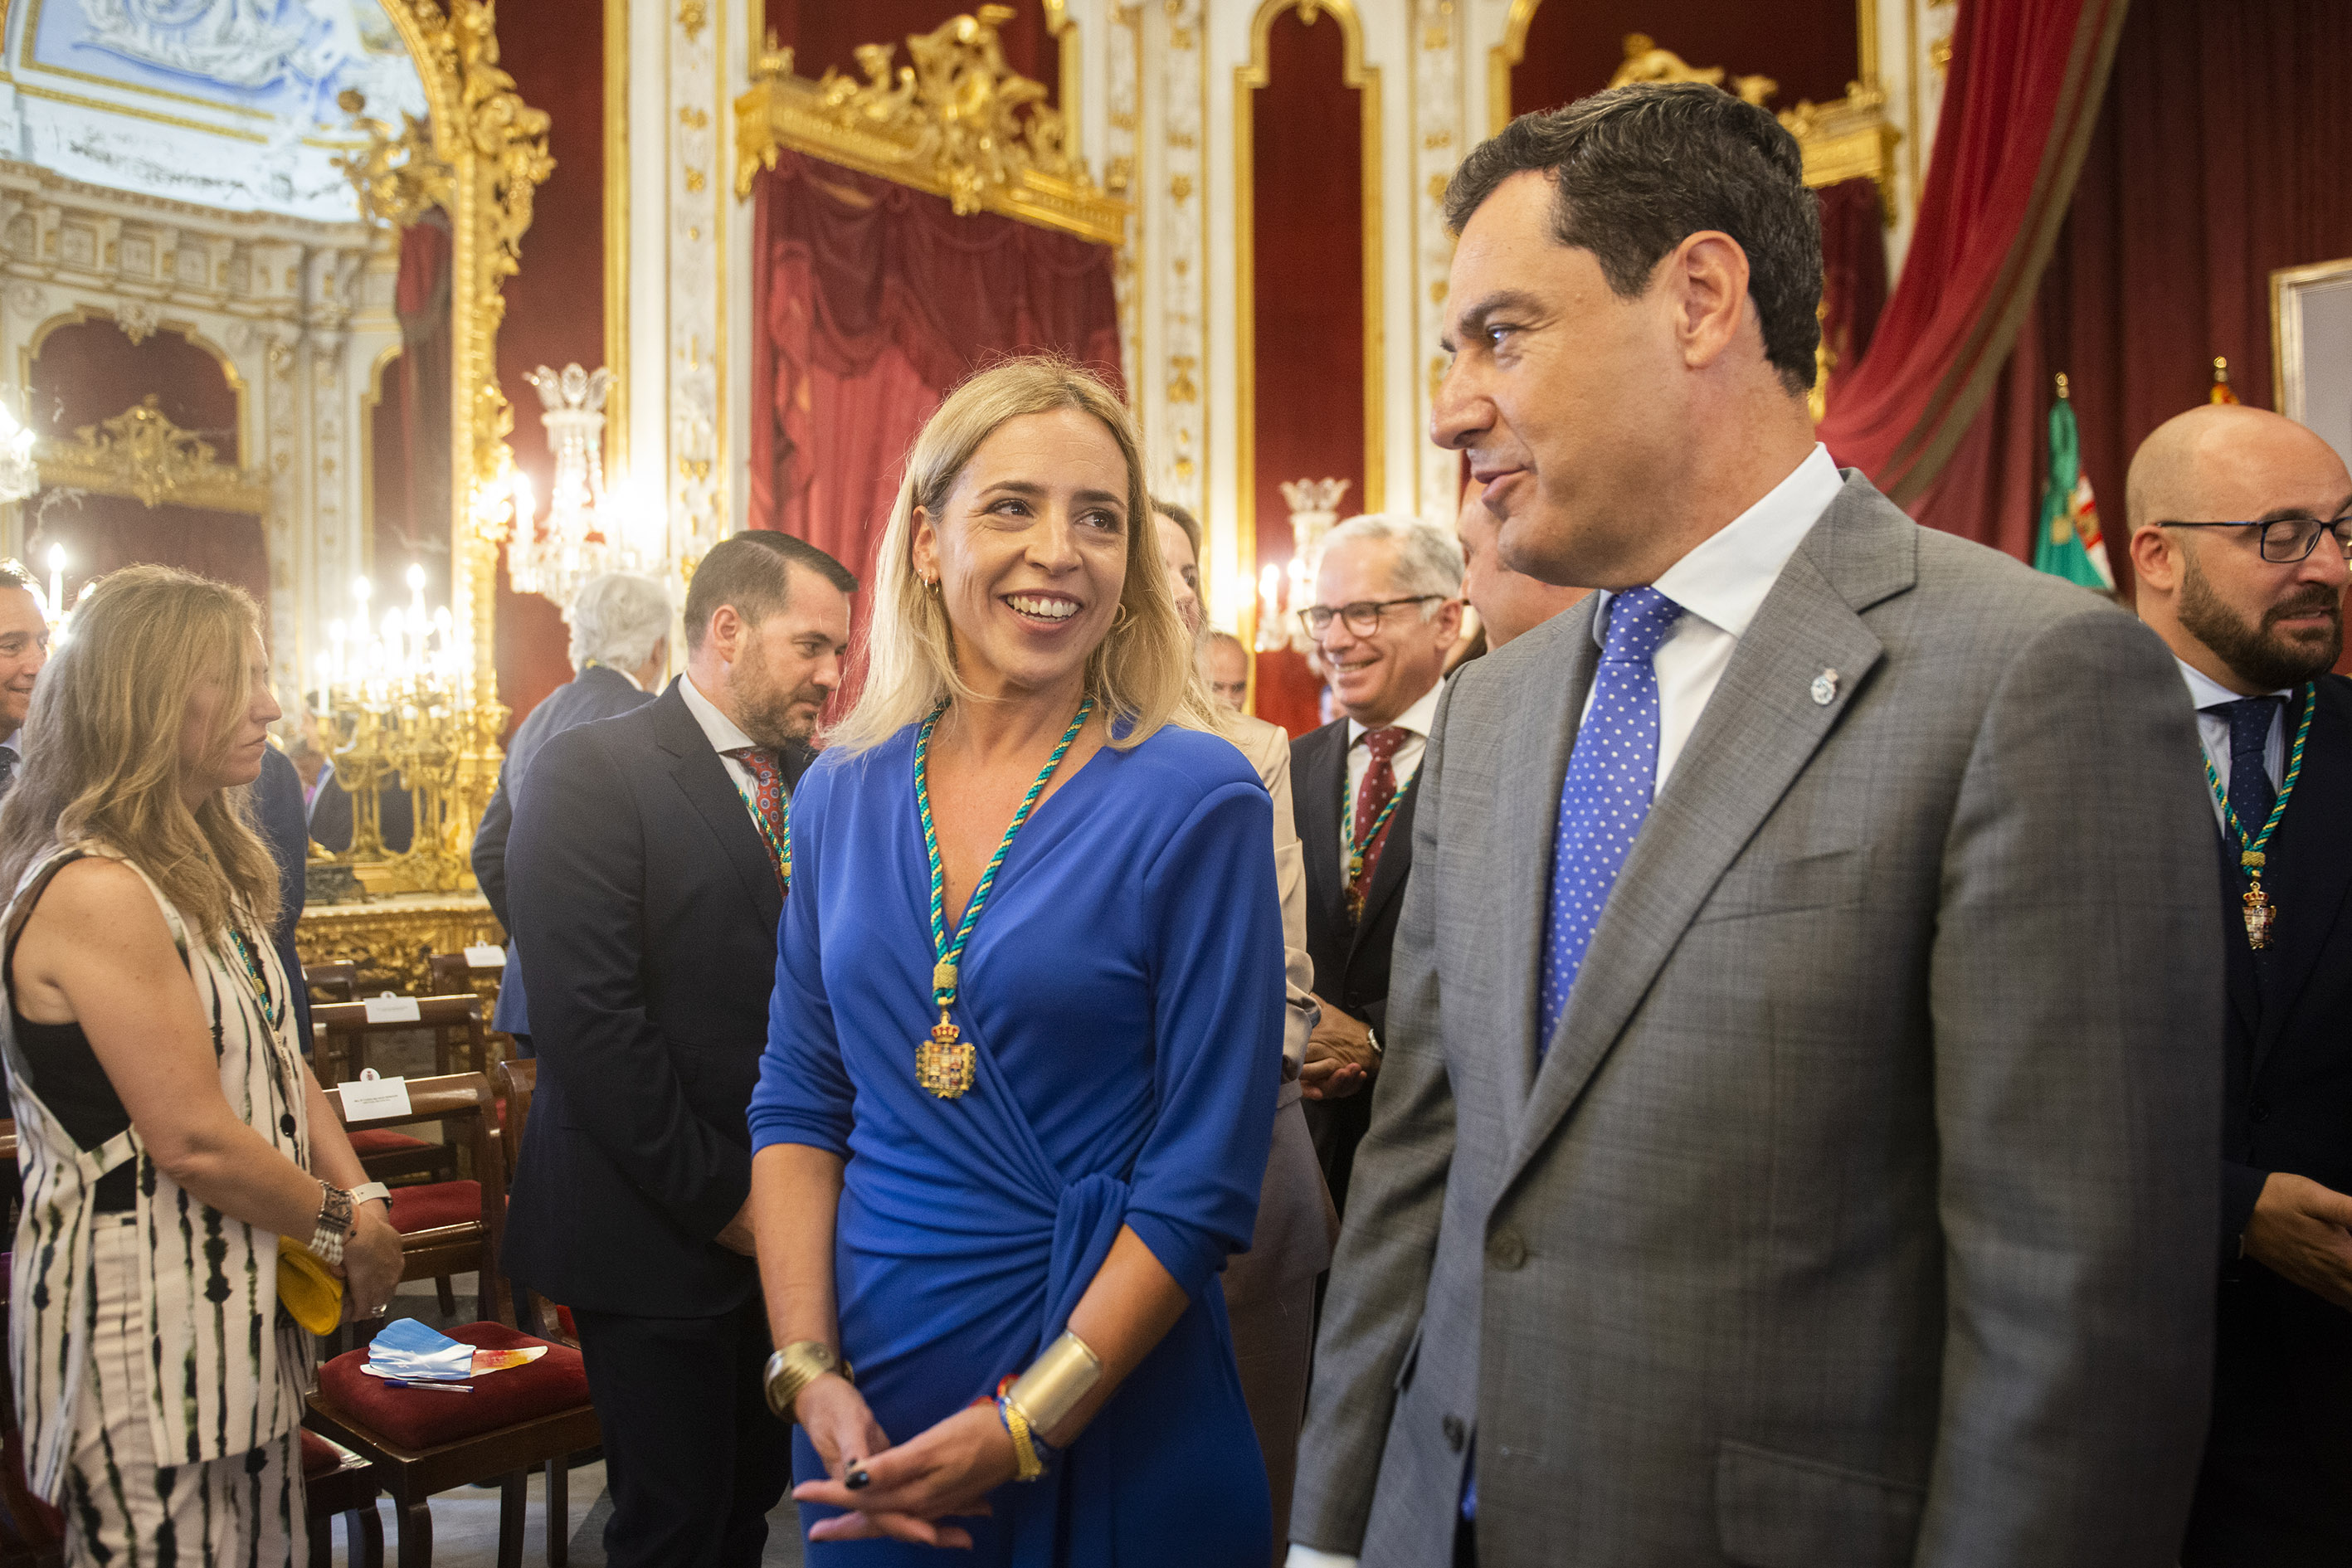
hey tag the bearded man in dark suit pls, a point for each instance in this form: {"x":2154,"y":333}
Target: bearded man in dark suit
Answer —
{"x":646,"y":872}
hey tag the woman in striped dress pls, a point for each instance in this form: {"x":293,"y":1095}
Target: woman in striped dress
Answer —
{"x":168,"y":1132}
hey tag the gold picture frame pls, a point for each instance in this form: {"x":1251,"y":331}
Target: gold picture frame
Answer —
{"x":2311,"y":348}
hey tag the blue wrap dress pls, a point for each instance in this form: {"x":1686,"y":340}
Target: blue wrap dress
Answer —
{"x":1124,"y":990}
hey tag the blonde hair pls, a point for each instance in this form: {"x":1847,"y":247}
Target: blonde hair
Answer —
{"x":102,"y":746}
{"x":1142,"y":672}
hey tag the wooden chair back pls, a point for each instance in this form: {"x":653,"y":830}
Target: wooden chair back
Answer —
{"x":449,"y":973}
{"x":459,"y":1041}
{"x":462,"y":1104}
{"x":333,"y":981}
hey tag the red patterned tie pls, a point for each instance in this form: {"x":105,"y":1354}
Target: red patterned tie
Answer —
{"x":1369,"y":833}
{"x":768,"y":800}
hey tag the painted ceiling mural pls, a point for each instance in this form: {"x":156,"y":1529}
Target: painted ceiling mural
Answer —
{"x":229,"y":103}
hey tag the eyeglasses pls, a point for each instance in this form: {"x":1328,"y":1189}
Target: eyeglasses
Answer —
{"x":1363,"y":617}
{"x":2286,"y":540}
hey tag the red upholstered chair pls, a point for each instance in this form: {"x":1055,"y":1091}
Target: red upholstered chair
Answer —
{"x":338,"y":1482}
{"x":32,"y":1534}
{"x":423,"y":1442}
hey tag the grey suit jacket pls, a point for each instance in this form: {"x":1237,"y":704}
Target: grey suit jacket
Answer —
{"x":1860,"y":1212}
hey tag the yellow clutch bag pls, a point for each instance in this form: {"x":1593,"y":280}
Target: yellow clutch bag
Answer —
{"x":314,"y":1296}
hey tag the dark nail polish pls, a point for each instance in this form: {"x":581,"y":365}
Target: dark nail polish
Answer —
{"x":856,"y":1480}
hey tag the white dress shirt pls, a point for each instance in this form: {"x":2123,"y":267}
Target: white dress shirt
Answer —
{"x":2213,"y":730}
{"x":724,"y":737}
{"x":1721,"y":586}
{"x":1415,"y":721}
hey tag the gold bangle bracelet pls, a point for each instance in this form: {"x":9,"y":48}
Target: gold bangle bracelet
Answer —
{"x":795,"y":1367}
{"x":1056,"y":1381}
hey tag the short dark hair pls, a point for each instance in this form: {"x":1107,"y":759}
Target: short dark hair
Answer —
{"x":1637,"y":169}
{"x":753,"y":572}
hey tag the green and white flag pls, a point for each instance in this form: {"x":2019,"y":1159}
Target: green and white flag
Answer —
{"x":2069,"y":544}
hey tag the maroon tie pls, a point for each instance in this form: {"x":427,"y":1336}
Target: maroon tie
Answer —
{"x":768,"y":800}
{"x":1368,"y":832}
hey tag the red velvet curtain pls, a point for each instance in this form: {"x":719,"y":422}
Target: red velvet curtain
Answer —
{"x":2024,"y":94}
{"x":102,"y":532}
{"x":1853,"y":273}
{"x":2205,"y":173}
{"x":413,"y":501}
{"x":870,"y":301}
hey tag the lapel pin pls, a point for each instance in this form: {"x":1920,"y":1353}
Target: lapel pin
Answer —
{"x":1825,"y":688}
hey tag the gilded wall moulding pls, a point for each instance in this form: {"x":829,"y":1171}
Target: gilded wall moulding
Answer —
{"x":141,"y":454}
{"x":479,"y":156}
{"x":958,"y":122}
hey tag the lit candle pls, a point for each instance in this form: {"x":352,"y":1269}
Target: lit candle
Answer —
{"x":335,"y":635}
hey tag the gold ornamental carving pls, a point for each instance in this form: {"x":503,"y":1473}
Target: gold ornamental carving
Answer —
{"x":390,"y":940}
{"x":141,"y":454}
{"x":957,"y":121}
{"x":479,"y":156}
{"x":1845,"y":139}
{"x":1646,"y":61}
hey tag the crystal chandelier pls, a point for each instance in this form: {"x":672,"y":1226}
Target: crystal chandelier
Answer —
{"x":20,"y":476}
{"x":584,"y":534}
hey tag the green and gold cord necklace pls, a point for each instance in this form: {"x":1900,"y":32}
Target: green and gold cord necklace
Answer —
{"x":944,"y":1064}
{"x":2261,"y":914}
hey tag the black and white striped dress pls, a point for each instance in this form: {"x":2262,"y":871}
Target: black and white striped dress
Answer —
{"x":158,"y":1384}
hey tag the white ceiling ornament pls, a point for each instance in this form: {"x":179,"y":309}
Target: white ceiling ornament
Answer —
{"x":228,"y":103}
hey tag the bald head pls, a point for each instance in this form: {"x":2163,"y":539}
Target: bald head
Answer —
{"x":2229,"y":463}
{"x":2239,"y":604}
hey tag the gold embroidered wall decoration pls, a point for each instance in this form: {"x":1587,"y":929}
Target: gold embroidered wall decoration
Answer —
{"x":957,"y":121}
{"x":141,"y":454}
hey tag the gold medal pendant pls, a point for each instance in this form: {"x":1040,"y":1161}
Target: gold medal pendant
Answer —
{"x":944,"y":1065}
{"x":2261,"y":914}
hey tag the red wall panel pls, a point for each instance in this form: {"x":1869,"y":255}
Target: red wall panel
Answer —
{"x":1307,"y":289}
{"x":555,"y":306}
{"x":1808,"y":46}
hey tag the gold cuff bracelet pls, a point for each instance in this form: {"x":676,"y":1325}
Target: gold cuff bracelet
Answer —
{"x":1056,"y":1381}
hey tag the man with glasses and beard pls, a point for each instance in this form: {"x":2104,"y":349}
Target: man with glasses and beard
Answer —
{"x":645,"y":872}
{"x":2239,"y":522}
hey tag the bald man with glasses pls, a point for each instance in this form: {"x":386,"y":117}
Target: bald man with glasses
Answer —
{"x":2240,"y":522}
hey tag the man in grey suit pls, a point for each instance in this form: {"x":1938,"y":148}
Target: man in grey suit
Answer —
{"x":1794,"y":1145}
{"x":620,"y":646}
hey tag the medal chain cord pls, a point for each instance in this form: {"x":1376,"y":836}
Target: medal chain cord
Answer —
{"x":2250,"y":852}
{"x":943,"y":982}
{"x":1358,"y":849}
{"x":779,"y":845}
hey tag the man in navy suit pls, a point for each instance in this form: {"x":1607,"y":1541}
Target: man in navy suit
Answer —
{"x":278,"y":812}
{"x":620,"y":646}
{"x":2239,"y":525}
{"x":645,"y":874}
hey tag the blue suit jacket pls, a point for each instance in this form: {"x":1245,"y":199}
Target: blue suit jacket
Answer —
{"x":647,"y":908}
{"x":594,"y":693}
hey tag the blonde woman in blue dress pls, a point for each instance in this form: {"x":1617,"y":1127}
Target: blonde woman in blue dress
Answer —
{"x":1025,"y":1035}
{"x":168,"y":1132}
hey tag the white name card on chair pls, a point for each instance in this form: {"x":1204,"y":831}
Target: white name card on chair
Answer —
{"x":486,"y":957}
{"x":368,"y":1096}
{"x":391,"y":1009}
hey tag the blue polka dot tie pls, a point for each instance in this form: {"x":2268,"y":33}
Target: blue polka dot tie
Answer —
{"x":1610,"y":775}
